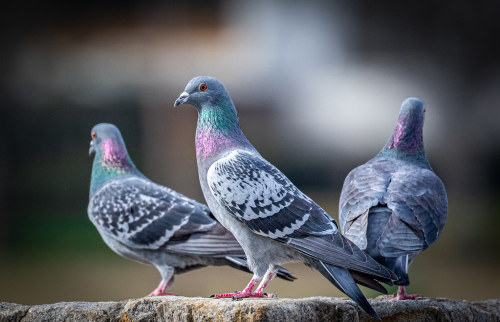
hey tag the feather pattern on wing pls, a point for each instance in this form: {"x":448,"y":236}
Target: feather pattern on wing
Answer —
{"x":217,"y":242}
{"x":257,"y":194}
{"x":260,"y":196}
{"x":145,"y":215}
{"x":414,"y":195}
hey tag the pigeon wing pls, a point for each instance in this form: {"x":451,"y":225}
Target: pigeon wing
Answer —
{"x":257,"y":194}
{"x":217,"y":241}
{"x":145,"y":215}
{"x":364,"y":188}
{"x":417,"y":198}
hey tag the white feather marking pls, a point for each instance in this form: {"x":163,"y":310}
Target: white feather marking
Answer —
{"x":287,"y":230}
{"x":258,"y":190}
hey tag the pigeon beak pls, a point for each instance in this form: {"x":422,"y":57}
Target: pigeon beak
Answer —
{"x":182,"y":99}
{"x":92,"y":149}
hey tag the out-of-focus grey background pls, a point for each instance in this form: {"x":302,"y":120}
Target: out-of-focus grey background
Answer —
{"x":318,"y":86}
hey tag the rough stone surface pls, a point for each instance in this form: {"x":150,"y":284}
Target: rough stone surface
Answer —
{"x":176,"y":308}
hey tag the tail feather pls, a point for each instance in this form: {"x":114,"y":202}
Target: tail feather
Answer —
{"x":337,"y":250}
{"x":368,"y":281}
{"x":241,"y":264}
{"x":401,"y":270}
{"x":342,"y":279}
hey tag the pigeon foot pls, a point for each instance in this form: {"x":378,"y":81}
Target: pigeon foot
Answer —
{"x":160,"y":293}
{"x":401,"y":295}
{"x":241,"y":295}
{"x":160,"y":290}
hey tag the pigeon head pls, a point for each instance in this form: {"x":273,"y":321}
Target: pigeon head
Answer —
{"x":110,"y":155}
{"x":204,"y":92}
{"x":218,"y":127}
{"x":107,"y":142}
{"x":407,"y":139}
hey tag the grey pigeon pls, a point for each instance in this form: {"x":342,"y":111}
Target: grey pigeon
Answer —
{"x":394,"y":206}
{"x":274,"y":221}
{"x":146,"y":222}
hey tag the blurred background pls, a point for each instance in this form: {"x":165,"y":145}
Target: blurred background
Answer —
{"x":318,"y":86}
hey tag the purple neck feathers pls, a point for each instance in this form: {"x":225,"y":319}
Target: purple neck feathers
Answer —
{"x":210,"y":142}
{"x":114,"y":156}
{"x":407,"y":136}
{"x":218,"y":131}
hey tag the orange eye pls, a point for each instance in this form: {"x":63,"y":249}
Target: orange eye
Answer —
{"x":94,"y":135}
{"x":203,"y":87}
{"x":424,"y":110}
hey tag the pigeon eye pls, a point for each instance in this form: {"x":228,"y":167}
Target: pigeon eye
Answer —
{"x":94,"y":135}
{"x":424,"y":110}
{"x":203,"y":87}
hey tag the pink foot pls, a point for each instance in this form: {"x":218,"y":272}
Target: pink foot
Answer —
{"x":241,"y":295}
{"x":160,"y":290}
{"x":401,"y":295}
{"x":247,"y":292}
{"x":159,"y":293}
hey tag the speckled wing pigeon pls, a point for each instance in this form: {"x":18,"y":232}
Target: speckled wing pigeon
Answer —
{"x":394,"y":206}
{"x":274,"y":221}
{"x":149,"y":223}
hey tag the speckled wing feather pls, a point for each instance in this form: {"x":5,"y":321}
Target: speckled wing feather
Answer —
{"x":415,"y":196}
{"x":260,"y":196}
{"x":217,"y":242}
{"x":144,"y":215}
{"x":257,"y":194}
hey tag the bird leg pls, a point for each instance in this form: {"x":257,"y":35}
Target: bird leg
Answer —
{"x":267,"y":279}
{"x":166,"y":280}
{"x":248,"y":291}
{"x":160,"y":290}
{"x":259,"y":292}
{"x":401,"y":295}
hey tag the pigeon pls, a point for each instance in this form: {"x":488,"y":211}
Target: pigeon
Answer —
{"x":272,"y":219}
{"x":149,"y":223}
{"x":395,"y":206}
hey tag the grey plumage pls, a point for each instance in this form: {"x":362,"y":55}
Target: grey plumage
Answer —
{"x":258,"y":195}
{"x":273,"y":220}
{"x":150,"y":223}
{"x":395,"y":206}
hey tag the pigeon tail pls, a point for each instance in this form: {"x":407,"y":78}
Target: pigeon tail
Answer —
{"x":342,"y":279}
{"x":368,"y":281}
{"x":401,"y":270}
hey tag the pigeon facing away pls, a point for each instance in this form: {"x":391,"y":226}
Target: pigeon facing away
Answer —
{"x":274,"y":221}
{"x":143,"y":221}
{"x":394,"y":206}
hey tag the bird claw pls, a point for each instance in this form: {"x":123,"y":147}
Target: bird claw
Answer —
{"x":241,"y":295}
{"x":402,"y":297}
{"x":160,"y":293}
{"x":224,"y":295}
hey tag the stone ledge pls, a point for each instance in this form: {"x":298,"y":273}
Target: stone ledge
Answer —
{"x":176,"y":308}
